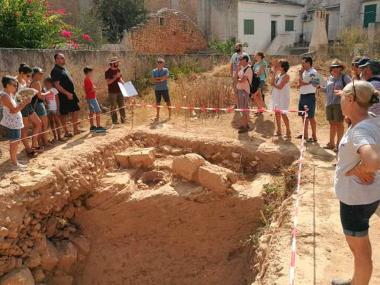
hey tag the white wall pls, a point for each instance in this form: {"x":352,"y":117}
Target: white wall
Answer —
{"x":263,"y":14}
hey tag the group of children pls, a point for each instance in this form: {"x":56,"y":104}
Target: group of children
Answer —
{"x":39,"y":112}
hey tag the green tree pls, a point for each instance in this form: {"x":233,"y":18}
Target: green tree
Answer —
{"x":29,"y":24}
{"x":119,"y":15}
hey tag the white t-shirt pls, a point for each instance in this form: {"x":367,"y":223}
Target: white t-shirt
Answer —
{"x":348,"y":188}
{"x":245,"y":84}
{"x":51,"y":100}
{"x":307,"y":77}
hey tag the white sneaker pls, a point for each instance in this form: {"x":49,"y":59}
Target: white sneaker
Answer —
{"x":19,"y":167}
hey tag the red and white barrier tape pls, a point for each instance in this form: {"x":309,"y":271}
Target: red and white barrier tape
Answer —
{"x":202,"y":109}
{"x":292,"y":270}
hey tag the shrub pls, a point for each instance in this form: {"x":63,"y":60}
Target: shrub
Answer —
{"x":225,"y":47}
{"x":29,"y":24}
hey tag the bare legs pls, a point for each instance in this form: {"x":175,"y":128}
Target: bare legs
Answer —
{"x":313,"y":124}
{"x":36,"y":125}
{"x":285,"y":118}
{"x":336,"y":134}
{"x":362,"y":251}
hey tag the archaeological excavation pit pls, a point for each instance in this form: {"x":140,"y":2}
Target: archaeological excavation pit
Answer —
{"x":145,"y":208}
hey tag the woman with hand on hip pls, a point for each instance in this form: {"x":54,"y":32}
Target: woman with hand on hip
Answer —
{"x":357,"y":179}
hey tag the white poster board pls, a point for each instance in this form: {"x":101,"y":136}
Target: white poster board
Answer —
{"x":127,"y":89}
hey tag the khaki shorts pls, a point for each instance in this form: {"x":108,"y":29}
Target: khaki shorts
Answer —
{"x":334,"y":113}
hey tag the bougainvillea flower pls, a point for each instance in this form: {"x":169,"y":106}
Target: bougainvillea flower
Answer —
{"x":87,"y":37}
{"x":60,"y":12}
{"x":74,"y":45}
{"x":66,"y":34}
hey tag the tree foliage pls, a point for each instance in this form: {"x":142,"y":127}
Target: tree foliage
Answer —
{"x":29,"y":24}
{"x":119,"y":15}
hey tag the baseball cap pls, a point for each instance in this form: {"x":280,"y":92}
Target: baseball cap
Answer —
{"x":374,"y":65}
{"x":363,"y":61}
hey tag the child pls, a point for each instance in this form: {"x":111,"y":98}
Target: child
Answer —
{"x":281,"y":96}
{"x":12,"y":117}
{"x":93,"y":104}
{"x":52,"y":102}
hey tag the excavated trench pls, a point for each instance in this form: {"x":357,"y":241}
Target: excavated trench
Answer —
{"x":144,"y":209}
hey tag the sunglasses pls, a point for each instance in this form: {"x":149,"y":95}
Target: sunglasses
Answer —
{"x":353,"y":87}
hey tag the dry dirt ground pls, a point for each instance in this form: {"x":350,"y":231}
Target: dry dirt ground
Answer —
{"x":322,"y":253}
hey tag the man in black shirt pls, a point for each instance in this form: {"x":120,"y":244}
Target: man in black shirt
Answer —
{"x":68,"y":100}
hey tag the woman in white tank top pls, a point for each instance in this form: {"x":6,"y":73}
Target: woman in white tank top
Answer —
{"x":12,"y":117}
{"x":281,"y":97}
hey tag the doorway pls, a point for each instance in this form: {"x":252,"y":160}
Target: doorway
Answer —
{"x":273,"y":32}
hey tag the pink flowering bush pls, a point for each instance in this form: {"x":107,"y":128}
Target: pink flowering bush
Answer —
{"x":30,"y":24}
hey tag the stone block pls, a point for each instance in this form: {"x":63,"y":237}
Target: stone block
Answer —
{"x":49,"y":259}
{"x":215,"y":178}
{"x":136,"y":158}
{"x":187,"y":166}
{"x":68,"y":255}
{"x":21,"y":276}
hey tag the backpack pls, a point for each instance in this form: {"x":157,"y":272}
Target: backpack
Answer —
{"x":255,"y":83}
{"x":344,"y":83}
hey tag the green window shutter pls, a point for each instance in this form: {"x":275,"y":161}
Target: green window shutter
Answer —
{"x":289,"y":25}
{"x":369,"y":14}
{"x":249,"y":27}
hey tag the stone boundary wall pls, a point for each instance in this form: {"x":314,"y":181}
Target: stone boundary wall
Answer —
{"x":133,"y":65}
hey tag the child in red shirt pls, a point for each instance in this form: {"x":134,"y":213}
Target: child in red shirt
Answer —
{"x":93,"y":104}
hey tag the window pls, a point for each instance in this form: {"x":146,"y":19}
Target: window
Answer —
{"x":289,"y":25}
{"x":369,"y":14}
{"x":249,"y":27}
{"x":162,"y":21}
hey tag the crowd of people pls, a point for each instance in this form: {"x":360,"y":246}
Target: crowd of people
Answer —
{"x":56,"y":100}
{"x":352,"y":100}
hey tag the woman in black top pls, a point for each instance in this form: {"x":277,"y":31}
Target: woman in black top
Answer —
{"x":29,"y":116}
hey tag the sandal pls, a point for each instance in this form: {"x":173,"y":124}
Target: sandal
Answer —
{"x":38,"y":149}
{"x":68,"y":135}
{"x":311,"y":140}
{"x":31,"y":153}
{"x":299,"y":137}
{"x":329,"y":146}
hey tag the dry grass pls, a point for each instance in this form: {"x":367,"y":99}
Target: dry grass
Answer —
{"x":212,"y":89}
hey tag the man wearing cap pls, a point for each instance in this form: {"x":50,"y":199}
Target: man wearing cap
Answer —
{"x":68,"y":100}
{"x":160,"y":76}
{"x":370,"y":71}
{"x":355,"y":70}
{"x":113,"y":77}
{"x":337,"y":81}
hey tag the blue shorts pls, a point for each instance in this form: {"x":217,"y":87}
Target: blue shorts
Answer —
{"x":27,"y":110}
{"x":13,"y":134}
{"x":40,"y":109}
{"x":93,"y":106}
{"x":309,"y":101}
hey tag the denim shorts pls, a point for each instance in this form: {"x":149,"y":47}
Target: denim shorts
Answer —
{"x":27,"y":110}
{"x":93,"y":106}
{"x":12,"y":134}
{"x":309,"y":101}
{"x":40,"y":109}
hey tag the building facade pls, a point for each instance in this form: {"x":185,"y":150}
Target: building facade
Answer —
{"x":269,"y":25}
